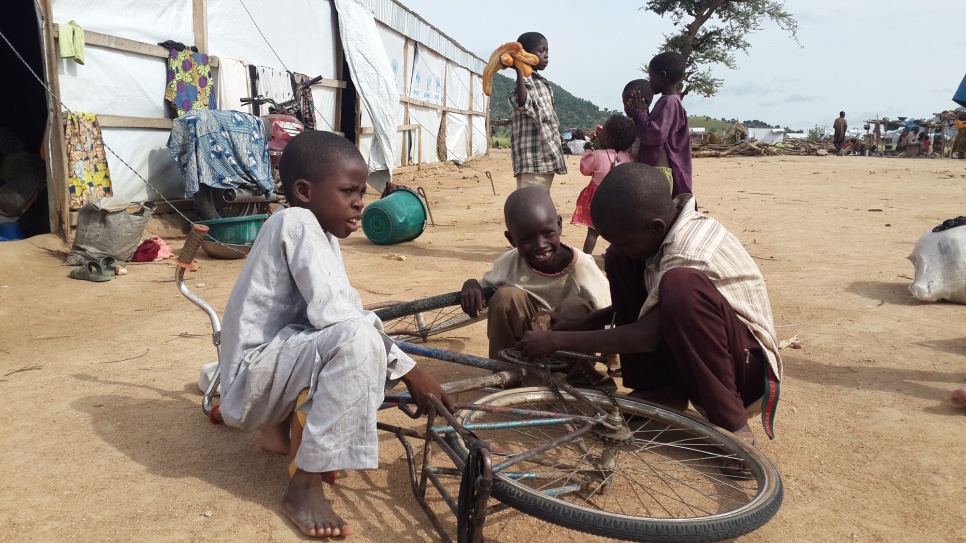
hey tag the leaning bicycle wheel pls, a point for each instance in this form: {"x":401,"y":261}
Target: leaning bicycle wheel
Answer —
{"x":420,"y":319}
{"x":654,"y":477}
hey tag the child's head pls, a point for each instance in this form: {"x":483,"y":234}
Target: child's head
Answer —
{"x":643,"y":89}
{"x":533,"y":227}
{"x":325,"y":174}
{"x":666,"y":70}
{"x":535,"y":43}
{"x":618,"y":133}
{"x":633,"y":210}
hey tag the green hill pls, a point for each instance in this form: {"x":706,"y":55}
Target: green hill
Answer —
{"x":571,"y":110}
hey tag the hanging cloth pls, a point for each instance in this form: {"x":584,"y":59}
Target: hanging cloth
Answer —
{"x":70,"y":37}
{"x":189,"y":82}
{"x":89,"y":177}
{"x":306,"y":102}
{"x":233,"y":84}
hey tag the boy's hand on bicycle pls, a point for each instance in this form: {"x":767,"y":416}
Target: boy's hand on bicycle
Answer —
{"x":561,"y":323}
{"x":471,"y":298}
{"x":419,"y":383}
{"x":537,"y":343}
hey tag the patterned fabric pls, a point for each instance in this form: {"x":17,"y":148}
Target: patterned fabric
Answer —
{"x":190,"y":85}
{"x":222,"y":149}
{"x":306,"y":102}
{"x":89,"y":177}
{"x":702,"y":243}
{"x":535,"y":137}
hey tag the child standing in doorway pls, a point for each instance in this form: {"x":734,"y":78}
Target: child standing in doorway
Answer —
{"x":613,"y":141}
{"x":535,"y":130}
{"x":664,"y":133}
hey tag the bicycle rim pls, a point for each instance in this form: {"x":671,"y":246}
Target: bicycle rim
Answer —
{"x":423,"y":318}
{"x":662,"y":482}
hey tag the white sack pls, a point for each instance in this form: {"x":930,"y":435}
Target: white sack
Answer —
{"x":940,"y":261}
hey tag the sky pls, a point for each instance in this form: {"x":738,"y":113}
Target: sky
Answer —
{"x":867,"y":57}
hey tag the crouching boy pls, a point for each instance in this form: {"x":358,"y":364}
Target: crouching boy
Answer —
{"x":294,"y":326}
{"x":539,"y":274}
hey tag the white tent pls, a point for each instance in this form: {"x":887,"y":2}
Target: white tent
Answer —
{"x":767,"y":135}
{"x":422,"y":88}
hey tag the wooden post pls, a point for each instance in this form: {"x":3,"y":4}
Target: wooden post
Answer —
{"x":471,"y":117}
{"x":442,"y":119}
{"x":407,"y":134}
{"x":419,"y":149}
{"x":200,"y":18}
{"x":57,"y":193}
{"x":487,"y":127}
{"x":340,"y":75}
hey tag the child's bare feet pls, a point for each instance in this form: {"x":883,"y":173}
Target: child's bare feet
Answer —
{"x":305,"y":505}
{"x":275,"y":439}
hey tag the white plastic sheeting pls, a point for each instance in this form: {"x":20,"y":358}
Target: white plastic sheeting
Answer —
{"x":767,"y":135}
{"x":304,"y":36}
{"x":371,"y":72}
{"x":149,"y":21}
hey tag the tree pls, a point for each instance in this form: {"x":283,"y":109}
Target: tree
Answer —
{"x":710,"y":32}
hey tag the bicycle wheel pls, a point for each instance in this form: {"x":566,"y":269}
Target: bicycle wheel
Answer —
{"x":427,"y":317}
{"x":658,"y":479}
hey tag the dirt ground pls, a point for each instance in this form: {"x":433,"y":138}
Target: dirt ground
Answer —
{"x":104,"y":440}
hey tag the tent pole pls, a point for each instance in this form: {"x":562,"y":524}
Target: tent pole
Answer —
{"x":199,"y":17}
{"x":340,"y":75}
{"x":407,"y":135}
{"x":470,"y":117}
{"x":57,"y":192}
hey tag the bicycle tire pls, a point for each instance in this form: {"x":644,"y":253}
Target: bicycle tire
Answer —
{"x":518,"y":492}
{"x":424,"y":322}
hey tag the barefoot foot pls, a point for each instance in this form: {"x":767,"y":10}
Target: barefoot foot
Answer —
{"x":734,"y":468}
{"x":307,"y":507}
{"x":275,"y":439}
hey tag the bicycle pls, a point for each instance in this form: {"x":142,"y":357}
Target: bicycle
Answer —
{"x":583,"y":459}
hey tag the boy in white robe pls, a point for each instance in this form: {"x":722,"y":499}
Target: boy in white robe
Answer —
{"x":294,"y":322}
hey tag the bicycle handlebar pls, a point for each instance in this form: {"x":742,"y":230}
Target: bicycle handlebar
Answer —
{"x":191,"y":245}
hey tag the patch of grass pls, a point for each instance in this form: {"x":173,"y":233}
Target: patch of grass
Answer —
{"x":504,"y":141}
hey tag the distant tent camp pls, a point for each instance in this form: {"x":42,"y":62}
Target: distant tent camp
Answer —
{"x":767,"y":135}
{"x":401,"y":90}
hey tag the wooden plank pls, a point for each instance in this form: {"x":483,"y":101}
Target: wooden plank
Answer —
{"x":131,"y":46}
{"x":365,"y":131}
{"x":57,"y":193}
{"x":336,"y":84}
{"x":407,"y":100}
{"x":199,"y":16}
{"x":122,"y":121}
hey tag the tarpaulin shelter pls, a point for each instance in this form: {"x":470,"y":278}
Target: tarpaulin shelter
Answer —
{"x":399,"y":88}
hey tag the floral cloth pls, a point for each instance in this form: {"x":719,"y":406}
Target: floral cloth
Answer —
{"x":305,"y":101}
{"x":89,"y":177}
{"x":190,"y":85}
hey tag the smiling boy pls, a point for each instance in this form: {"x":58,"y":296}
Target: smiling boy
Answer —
{"x":293,"y":322}
{"x":539,"y":274}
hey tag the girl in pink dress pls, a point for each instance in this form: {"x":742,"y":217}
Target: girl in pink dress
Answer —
{"x":613,"y":142}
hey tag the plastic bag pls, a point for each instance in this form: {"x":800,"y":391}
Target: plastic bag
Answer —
{"x":940,"y":261}
{"x":114,"y":232}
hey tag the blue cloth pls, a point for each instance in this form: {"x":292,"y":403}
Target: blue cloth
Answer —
{"x":222,"y":149}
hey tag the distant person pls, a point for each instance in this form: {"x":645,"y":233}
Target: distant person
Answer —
{"x":535,"y":130}
{"x":643,"y":88}
{"x":613,"y":140}
{"x":848,"y":148}
{"x":912,"y":144}
{"x":877,"y":137}
{"x":664,"y":133}
{"x":959,"y":144}
{"x":937,"y":143}
{"x":840,"y":126}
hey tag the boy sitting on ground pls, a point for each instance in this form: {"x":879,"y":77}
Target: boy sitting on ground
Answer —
{"x":690,"y":305}
{"x":539,"y":274}
{"x":294,"y":322}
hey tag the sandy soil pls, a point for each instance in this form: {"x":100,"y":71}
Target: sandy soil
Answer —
{"x":103,"y":438}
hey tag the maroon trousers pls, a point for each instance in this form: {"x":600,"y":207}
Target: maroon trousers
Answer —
{"x":706,"y":354}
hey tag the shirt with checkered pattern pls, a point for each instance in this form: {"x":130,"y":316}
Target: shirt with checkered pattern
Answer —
{"x":697,"y":241}
{"x":535,"y":136}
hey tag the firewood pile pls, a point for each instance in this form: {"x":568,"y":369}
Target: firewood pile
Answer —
{"x":753,"y":148}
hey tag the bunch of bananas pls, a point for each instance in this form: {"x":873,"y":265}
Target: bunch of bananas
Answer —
{"x":506,"y":55}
